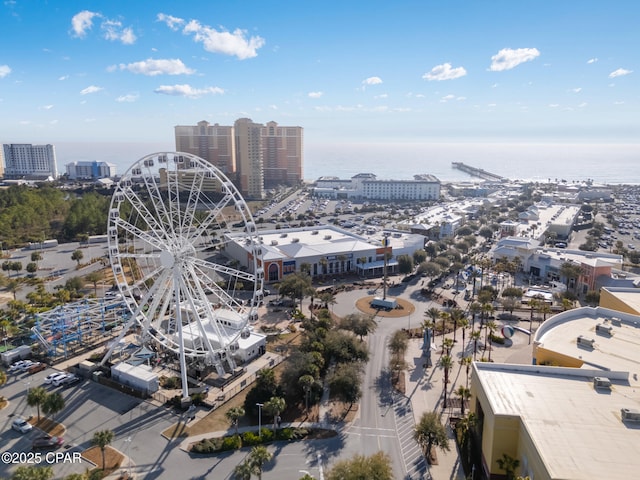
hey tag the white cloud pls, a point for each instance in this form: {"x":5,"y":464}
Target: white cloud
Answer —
{"x":112,"y":30}
{"x":91,"y":89}
{"x":4,"y":70}
{"x":592,"y":60}
{"x":82,"y":22}
{"x":47,"y":107}
{"x":446,"y":98}
{"x":64,"y":77}
{"x":444,"y":72}
{"x":508,"y":58}
{"x":554,"y":105}
{"x":131,"y":97}
{"x":583,"y":104}
{"x":576,"y":90}
{"x":153,"y":67}
{"x":228,"y":43}
{"x":188,"y":91}
{"x":383,"y":96}
{"x":315,"y":94}
{"x":372,"y":81}
{"x":172,"y":22}
{"x":620,"y":73}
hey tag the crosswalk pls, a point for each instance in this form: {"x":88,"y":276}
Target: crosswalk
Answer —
{"x":414,"y":461}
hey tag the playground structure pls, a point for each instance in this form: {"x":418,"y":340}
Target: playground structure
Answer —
{"x":73,"y":326}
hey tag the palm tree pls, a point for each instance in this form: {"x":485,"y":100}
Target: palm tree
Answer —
{"x":243,"y":471}
{"x":466,"y":362}
{"x":36,"y":397}
{"x":464,"y":393}
{"x":475,"y":336}
{"x":445,"y":316}
{"x":101,"y":439}
{"x":53,"y":403}
{"x":233,"y":415}
{"x":463,"y":323}
{"x":95,"y":277}
{"x":509,"y":465}
{"x":430,"y":432}
{"x":474,"y":309}
{"x":274,"y":407}
{"x":456,"y":315}
{"x":306,"y":382}
{"x":257,"y":458}
{"x":3,"y":378}
{"x":434,"y":314}
{"x":446,"y":362}
{"x":490,"y":327}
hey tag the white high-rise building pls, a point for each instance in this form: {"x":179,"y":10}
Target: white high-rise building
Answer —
{"x":23,"y":160}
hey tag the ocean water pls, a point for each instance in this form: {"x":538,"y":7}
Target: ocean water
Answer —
{"x":602,"y":163}
{"x":614,"y":163}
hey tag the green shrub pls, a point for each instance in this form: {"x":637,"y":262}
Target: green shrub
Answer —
{"x":208,"y":445}
{"x":497,"y":339}
{"x":250,"y":439}
{"x":267,"y":435}
{"x":285,"y":433}
{"x":231,"y":443}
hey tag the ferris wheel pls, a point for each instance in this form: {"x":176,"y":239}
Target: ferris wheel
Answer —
{"x":172,"y":218}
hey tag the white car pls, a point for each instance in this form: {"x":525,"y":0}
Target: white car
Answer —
{"x":53,"y":376}
{"x":57,"y":381}
{"x":16,"y":366}
{"x":21,"y":425}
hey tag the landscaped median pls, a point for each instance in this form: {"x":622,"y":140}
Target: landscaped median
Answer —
{"x":252,"y":438}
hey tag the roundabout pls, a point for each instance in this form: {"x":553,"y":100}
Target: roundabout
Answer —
{"x":403,"y":309}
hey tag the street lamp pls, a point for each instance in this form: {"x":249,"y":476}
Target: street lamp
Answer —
{"x":260,"y":405}
{"x":128,"y":442}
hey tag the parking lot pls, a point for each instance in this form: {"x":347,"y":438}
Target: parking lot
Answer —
{"x":89,"y":407}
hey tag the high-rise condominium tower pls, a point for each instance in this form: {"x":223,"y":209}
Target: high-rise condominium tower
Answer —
{"x":252,"y":155}
{"x":249,"y":158}
{"x":213,"y":143}
{"x":26,"y":160}
{"x":281,"y":155}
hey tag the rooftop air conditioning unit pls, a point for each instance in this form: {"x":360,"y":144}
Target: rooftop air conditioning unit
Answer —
{"x":601,"y":382}
{"x":630,"y":415}
{"x":587,"y":342}
{"x":314,"y":232}
{"x":283,"y":235}
{"x":327,"y":237}
{"x":604,"y":329}
{"x":274,"y":242}
{"x":295,"y":240}
{"x":616,"y":321}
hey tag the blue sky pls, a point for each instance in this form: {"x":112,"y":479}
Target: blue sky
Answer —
{"x":346,"y":71}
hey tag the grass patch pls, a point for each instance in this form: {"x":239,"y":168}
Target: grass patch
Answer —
{"x":112,"y":458}
{"x":47,"y":425}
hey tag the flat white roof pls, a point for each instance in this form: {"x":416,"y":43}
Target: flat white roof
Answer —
{"x":576,"y":428}
{"x":618,"y":351}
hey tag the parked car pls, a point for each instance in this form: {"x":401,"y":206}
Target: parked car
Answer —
{"x":21,"y":425}
{"x":51,"y":377}
{"x":57,"y":381}
{"x":47,"y":441}
{"x":37,"y":367}
{"x":20,"y":366}
{"x":14,"y":366}
{"x":69,"y":380}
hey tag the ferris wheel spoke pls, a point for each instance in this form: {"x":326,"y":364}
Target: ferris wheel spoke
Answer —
{"x":214,"y":212}
{"x":143,"y":212}
{"x":224,"y":270}
{"x":221,"y":295}
{"x":154,"y":240}
{"x":154,"y":191}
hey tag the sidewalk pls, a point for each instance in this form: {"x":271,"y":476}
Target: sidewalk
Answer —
{"x":424,"y":388}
